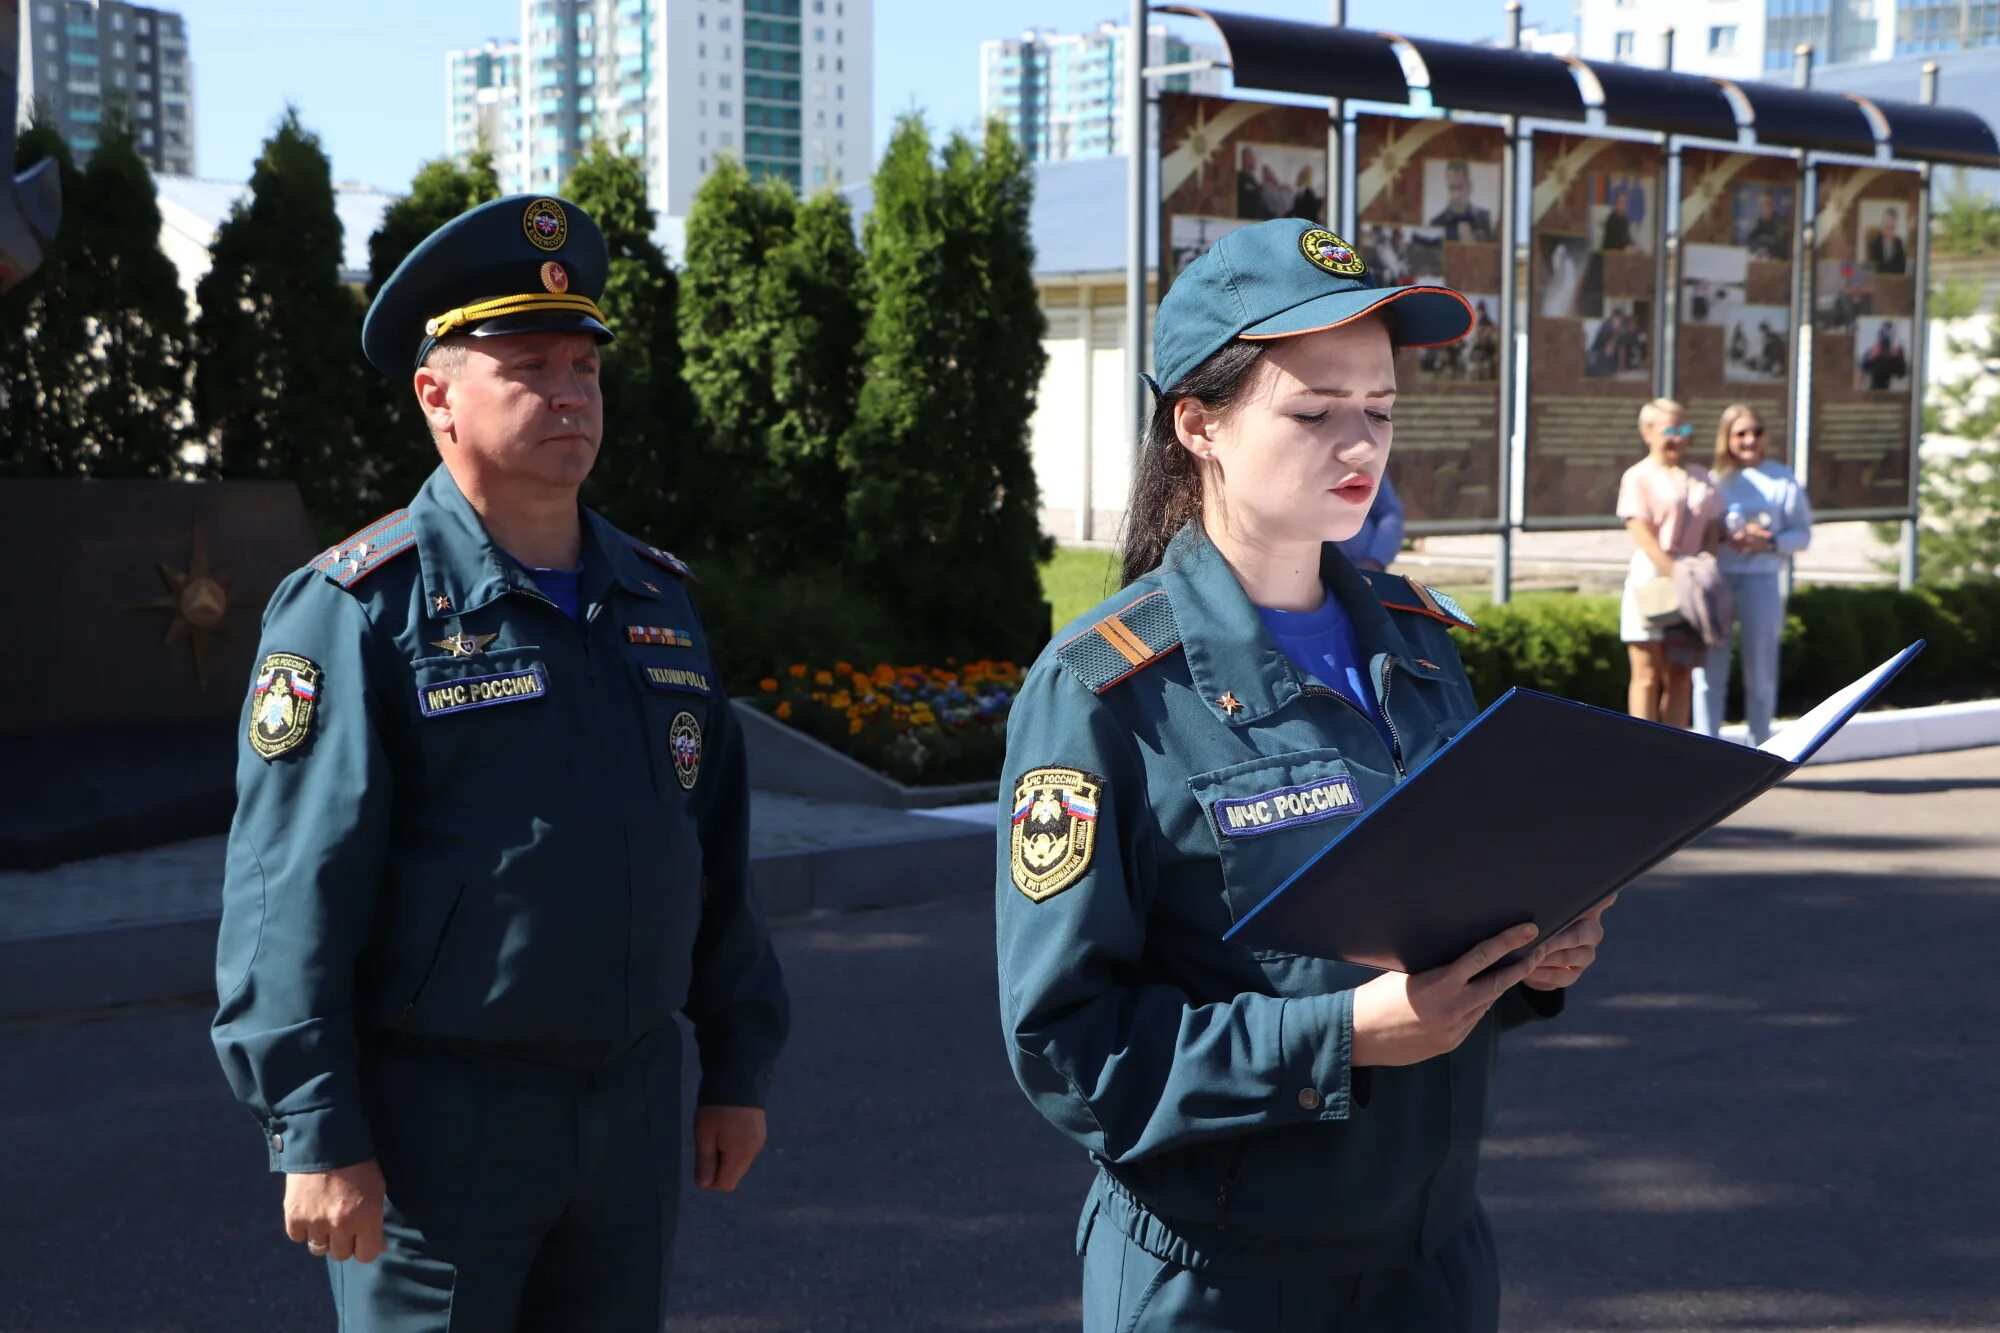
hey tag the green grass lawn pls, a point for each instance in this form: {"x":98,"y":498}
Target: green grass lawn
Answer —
{"x":1076,"y":579}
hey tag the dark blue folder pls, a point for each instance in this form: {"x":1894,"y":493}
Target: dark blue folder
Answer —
{"x":1537,"y":810}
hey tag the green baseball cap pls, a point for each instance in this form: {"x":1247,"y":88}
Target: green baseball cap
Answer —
{"x":1279,"y":279}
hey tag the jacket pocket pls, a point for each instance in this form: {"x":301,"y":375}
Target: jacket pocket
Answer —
{"x":1271,"y":815}
{"x":437,"y":955}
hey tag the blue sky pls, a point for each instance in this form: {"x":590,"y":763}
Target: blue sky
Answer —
{"x":368,"y":75}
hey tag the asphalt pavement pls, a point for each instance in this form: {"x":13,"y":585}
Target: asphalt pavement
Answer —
{"x":1774,"y":1105}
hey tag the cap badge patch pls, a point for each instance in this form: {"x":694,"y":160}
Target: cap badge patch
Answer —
{"x":282,"y":703}
{"x":1327,"y":251}
{"x":684,"y":739}
{"x":546,"y":225}
{"x":555,"y":277}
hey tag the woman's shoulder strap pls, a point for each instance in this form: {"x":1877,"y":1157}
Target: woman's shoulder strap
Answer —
{"x":1137,"y":631}
{"x":1400,"y":592}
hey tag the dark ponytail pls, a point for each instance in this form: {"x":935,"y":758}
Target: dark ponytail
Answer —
{"x":1166,"y":485}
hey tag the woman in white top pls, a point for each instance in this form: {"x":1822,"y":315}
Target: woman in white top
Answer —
{"x":1767,"y":519}
{"x":1672,"y":511}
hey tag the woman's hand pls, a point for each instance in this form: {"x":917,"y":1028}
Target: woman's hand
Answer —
{"x":1572,"y":949}
{"x":1400,"y":1019}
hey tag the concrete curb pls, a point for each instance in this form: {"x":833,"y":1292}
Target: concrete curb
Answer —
{"x":131,"y":962}
{"x":1906,"y":731}
{"x":785,"y":759}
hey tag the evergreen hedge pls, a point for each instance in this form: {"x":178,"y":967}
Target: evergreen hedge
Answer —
{"x":1567,"y":644}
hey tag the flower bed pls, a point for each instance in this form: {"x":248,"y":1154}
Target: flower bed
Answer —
{"x":920,"y":725}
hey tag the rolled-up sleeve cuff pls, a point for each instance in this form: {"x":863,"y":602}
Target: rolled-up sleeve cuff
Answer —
{"x":321,"y":1140}
{"x":1316,"y":1036}
{"x":1525,"y":1004}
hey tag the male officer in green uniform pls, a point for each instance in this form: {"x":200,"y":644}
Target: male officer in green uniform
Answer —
{"x":491,"y":835}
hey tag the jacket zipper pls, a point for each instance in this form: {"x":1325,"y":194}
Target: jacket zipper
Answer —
{"x":1382,"y":706}
{"x":1396,"y":745}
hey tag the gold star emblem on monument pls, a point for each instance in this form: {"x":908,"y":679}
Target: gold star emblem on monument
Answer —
{"x":198,"y":597}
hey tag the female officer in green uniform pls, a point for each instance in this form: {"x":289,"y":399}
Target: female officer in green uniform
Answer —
{"x":1282,"y":1142}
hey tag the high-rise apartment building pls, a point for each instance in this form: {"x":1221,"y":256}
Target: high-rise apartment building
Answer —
{"x":1062,"y":94}
{"x":81,"y":60}
{"x":483,"y":109}
{"x":1750,"y":39}
{"x":784,"y":86}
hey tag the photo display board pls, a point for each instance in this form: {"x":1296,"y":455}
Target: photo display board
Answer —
{"x":1593,"y":318}
{"x":1427,"y":210}
{"x":1226,"y":163}
{"x":1864,"y":340}
{"x":1739,"y":220}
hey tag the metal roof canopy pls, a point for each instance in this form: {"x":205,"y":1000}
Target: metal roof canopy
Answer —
{"x":1280,"y":55}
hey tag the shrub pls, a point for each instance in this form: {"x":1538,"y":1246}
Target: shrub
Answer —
{"x":1568,"y":645}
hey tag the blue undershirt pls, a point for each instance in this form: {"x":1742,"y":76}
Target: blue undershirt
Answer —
{"x":1321,"y":644}
{"x":564,"y":587}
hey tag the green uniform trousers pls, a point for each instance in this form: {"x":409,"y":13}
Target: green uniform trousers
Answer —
{"x":521,"y":1196}
{"x":1453,"y":1289}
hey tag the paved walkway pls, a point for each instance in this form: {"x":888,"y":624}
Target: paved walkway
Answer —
{"x":1771,"y":1107}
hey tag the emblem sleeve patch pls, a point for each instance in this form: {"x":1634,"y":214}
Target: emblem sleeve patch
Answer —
{"x":281,"y":704}
{"x":1053,"y":832}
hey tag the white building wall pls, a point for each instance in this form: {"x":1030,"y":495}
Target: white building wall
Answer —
{"x":1724,"y":38}
{"x":1081,"y":447}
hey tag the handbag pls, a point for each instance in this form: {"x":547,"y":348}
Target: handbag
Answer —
{"x":1658,"y":603}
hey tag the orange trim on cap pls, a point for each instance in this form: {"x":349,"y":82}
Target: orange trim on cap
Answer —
{"x":1394,"y":296}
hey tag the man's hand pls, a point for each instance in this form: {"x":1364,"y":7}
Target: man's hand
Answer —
{"x":337,"y":1213}
{"x":726,"y":1140}
{"x":1570,"y":950}
{"x":1401,"y":1019}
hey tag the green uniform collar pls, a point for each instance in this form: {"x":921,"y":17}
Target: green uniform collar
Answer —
{"x":1229,"y":652}
{"x":463,"y":570}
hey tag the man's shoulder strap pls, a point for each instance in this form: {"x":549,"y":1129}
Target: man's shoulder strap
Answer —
{"x":354,"y":558}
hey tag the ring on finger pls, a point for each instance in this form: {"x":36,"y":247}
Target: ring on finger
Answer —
{"x":317,"y":1248}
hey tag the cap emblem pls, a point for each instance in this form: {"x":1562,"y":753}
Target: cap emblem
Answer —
{"x":1326,"y":251}
{"x":555,"y":277}
{"x":546,"y":225}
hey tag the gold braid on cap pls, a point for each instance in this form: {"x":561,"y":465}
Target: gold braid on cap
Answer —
{"x":439,"y":326}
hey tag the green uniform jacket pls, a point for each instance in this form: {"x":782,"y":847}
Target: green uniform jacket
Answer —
{"x":1193,"y":770}
{"x":463,"y":817}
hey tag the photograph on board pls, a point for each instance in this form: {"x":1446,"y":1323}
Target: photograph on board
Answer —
{"x":1713,"y":282}
{"x":1882,"y":365}
{"x":1570,"y":279}
{"x":1470,"y":360}
{"x":1275,"y":180}
{"x":1462,"y":198}
{"x":1401,"y":256}
{"x":1620,"y":212}
{"x":1841,"y":296}
{"x":1763,"y":220}
{"x":1191,"y":234}
{"x":1619,"y":346}
{"x":1757,"y":349}
{"x":1885,"y":228}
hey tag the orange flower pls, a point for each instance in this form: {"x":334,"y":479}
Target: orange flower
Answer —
{"x":797,"y":671}
{"x":768,"y":685}
{"x":785,"y":709}
{"x":854,"y":727}
{"x":822,"y":678}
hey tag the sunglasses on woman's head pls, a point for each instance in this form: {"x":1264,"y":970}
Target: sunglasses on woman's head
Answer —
{"x":1680,"y":432}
